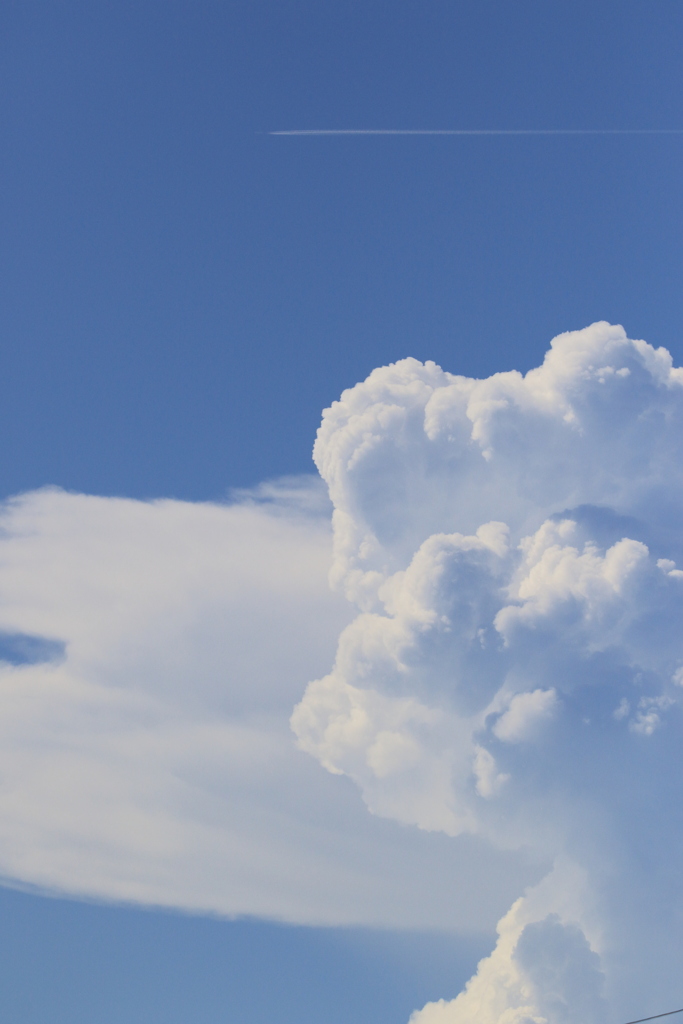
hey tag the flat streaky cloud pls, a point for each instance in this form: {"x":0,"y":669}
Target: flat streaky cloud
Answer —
{"x":150,"y":655}
{"x":514,"y":549}
{"x":479,"y":131}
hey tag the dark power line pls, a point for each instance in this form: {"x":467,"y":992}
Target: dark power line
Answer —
{"x":656,"y":1016}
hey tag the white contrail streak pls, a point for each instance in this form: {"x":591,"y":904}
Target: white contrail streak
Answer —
{"x":480,"y":131}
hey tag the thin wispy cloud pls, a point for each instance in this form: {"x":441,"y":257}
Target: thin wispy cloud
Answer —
{"x":150,"y":656}
{"x":479,"y":131}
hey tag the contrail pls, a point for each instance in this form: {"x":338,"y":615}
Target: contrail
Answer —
{"x":480,"y":131}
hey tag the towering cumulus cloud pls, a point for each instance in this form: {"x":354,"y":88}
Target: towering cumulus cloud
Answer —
{"x":515,"y":550}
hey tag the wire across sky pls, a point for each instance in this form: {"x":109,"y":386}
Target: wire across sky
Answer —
{"x":669,"y":1013}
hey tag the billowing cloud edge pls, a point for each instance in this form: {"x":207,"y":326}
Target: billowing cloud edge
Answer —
{"x":513,"y":548}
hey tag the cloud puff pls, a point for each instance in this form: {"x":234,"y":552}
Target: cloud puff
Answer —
{"x":513,"y":546}
{"x":526,"y":715}
{"x":542,"y":969}
{"x":150,"y":655}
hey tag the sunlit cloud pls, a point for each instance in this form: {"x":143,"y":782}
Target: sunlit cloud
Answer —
{"x":513,"y":547}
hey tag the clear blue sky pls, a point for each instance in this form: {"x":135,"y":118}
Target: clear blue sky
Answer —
{"x":182,"y":294}
{"x":68,"y":963}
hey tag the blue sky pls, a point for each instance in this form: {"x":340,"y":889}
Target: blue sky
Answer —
{"x":183,"y":293}
{"x":76,"y":962}
{"x":176,"y":283}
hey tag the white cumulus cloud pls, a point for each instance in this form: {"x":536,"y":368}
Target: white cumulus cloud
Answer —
{"x":513,"y":672}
